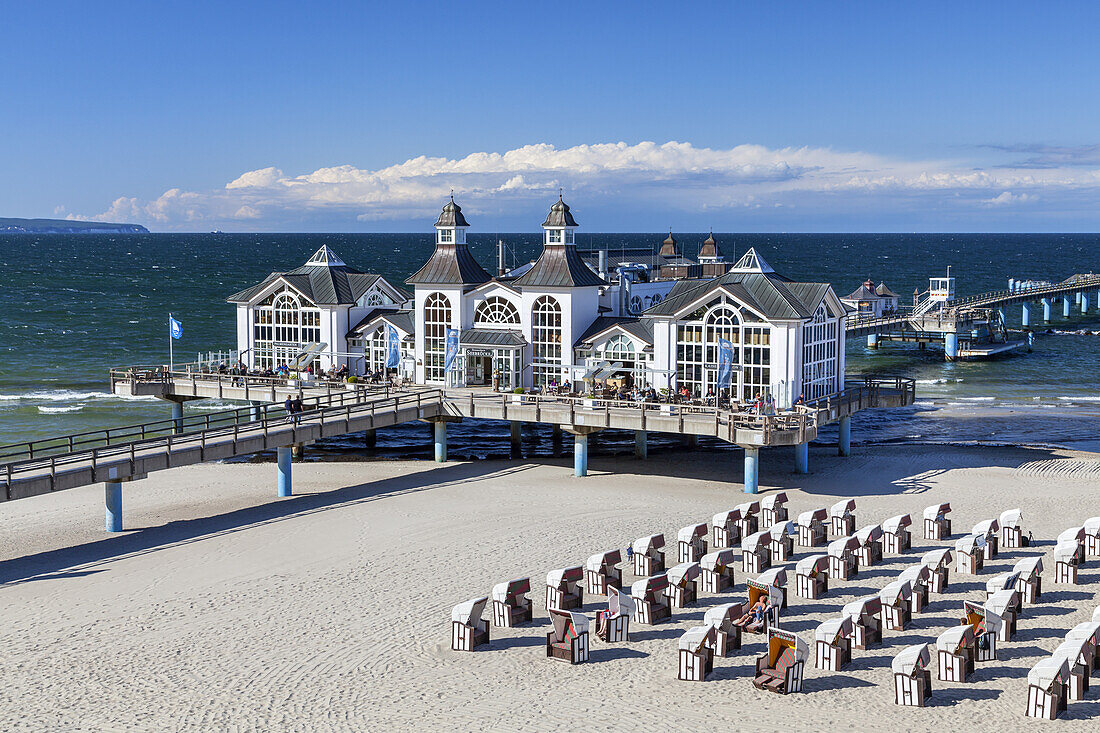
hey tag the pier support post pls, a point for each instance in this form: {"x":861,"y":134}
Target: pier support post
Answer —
{"x":439,"y":433}
{"x":256,"y":411}
{"x":1084,"y":303}
{"x":872,"y":341}
{"x":752,"y":470}
{"x":1025,"y":315}
{"x":580,"y":455}
{"x":516,"y":436}
{"x":689,"y":441}
{"x":951,"y":346}
{"x":1001,"y":315}
{"x":370,"y":437}
{"x":282,"y":461}
{"x":844,"y":437}
{"x":177,"y":416}
{"x":113,"y":502}
{"x":1046,"y":310}
{"x":1065,"y":306}
{"x":802,"y":458}
{"x":641,"y":446}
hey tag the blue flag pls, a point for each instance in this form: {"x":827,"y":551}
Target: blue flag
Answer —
{"x":393,"y":353}
{"x":725,"y":364}
{"x":175,"y":327}
{"x":451,"y":349}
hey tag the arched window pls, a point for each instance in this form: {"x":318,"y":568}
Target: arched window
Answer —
{"x":283,"y":325}
{"x":619,"y":348}
{"x":819,"y":356}
{"x":374,"y":298}
{"x":437,"y":319}
{"x":286,"y":312}
{"x":496,"y":310}
{"x":546,"y":340}
{"x":697,"y":351}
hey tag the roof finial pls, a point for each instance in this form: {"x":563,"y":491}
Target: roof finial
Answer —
{"x":452,"y":194}
{"x":561,"y":190}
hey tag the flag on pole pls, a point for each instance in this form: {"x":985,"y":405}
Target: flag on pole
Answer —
{"x":725,"y":363}
{"x":451,"y":351}
{"x":393,"y":353}
{"x":175,"y":327}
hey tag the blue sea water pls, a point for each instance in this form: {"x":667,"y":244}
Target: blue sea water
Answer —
{"x":72,"y":306}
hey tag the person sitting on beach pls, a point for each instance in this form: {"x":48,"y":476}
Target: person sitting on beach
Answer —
{"x":757,"y":613}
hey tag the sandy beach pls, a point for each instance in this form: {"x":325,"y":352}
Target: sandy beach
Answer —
{"x":226,"y":608}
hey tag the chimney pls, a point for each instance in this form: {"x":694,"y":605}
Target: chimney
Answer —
{"x":501,"y":269}
{"x":603,"y":263}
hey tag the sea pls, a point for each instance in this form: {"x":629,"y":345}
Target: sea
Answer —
{"x":73,"y":306}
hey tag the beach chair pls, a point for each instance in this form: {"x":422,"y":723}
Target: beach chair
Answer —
{"x":842,"y":518}
{"x":691,"y":542}
{"x":938,"y":562}
{"x":697,"y":653}
{"x":989,"y":529}
{"x":601,"y":572}
{"x":1009,"y":581}
{"x":1078,"y":655}
{"x":468,"y":629}
{"x":1075,"y":534}
{"x":970,"y":554}
{"x":510,"y":606}
{"x":749,"y":521}
{"x":986,"y":626}
{"x":782,"y":544}
{"x":773,"y":508}
{"x":1029,"y":582}
{"x":614,"y":625}
{"x":781,"y":669}
{"x":811,"y":576}
{"x":912,"y":678}
{"x":866,"y":621}
{"x":833,"y":643}
{"x":896,"y":600}
{"x":761,"y":591}
{"x":1089,"y":631}
{"x":727,"y":638}
{"x":648,"y":556}
{"x":682,"y":590}
{"x":842,"y":558}
{"x":776,"y":579}
{"x":756,"y":556}
{"x":955,"y":653}
{"x":1046,"y":688}
{"x":936,"y":524}
{"x":1012,"y":532}
{"x":870,"y":545}
{"x":717,"y":571}
{"x":1092,"y":536}
{"x":896,"y":537}
{"x":726,"y":529}
{"x":919,"y":578}
{"x":568,"y":638}
{"x":650,"y":602}
{"x":1067,"y":555}
{"x":1004,"y":603}
{"x":563,"y":588}
{"x":811,"y":528}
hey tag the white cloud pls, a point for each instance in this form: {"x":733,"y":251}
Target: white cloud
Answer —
{"x":1007,"y":198}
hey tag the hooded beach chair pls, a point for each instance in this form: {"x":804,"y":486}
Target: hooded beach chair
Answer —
{"x":870,"y":545}
{"x":650,"y":602}
{"x":938,"y":562}
{"x":895,"y":534}
{"x":811,"y":576}
{"x":563,"y":588}
{"x":866,"y":621}
{"x":1075,"y":534}
{"x":1029,"y":581}
{"x":1067,"y":556}
{"x":833,"y":643}
{"x":986,"y":625}
{"x":468,"y":629}
{"x":919,"y":578}
{"x":1078,"y":656}
{"x":782,"y":667}
{"x":989,"y":529}
{"x":568,"y":638}
{"x":758,"y":591}
{"x":1012,"y":531}
{"x":1004,"y":603}
{"x":782,"y":544}
{"x":1090,"y":631}
{"x":510,"y":606}
{"x":955,"y":654}
{"x":697,"y":653}
{"x":896,"y":599}
{"x":682,"y":590}
{"x":776,"y":579}
{"x":728,"y":634}
{"x":726,"y":529}
{"x":648,"y":556}
{"x":756,"y":555}
{"x":970,"y":554}
{"x":691,"y":542}
{"x":1092,"y":536}
{"x":1046,"y":688}
{"x":842,"y":518}
{"x":936,"y":524}
{"x":811,"y":528}
{"x":1009,"y":581}
{"x":842,"y":558}
{"x":717,"y":570}
{"x":750,"y":517}
{"x":773,"y":508}
{"x":912,"y":678}
{"x":615,"y":622}
{"x":601,"y":572}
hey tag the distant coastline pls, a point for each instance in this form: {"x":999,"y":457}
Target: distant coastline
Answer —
{"x":66,"y":226}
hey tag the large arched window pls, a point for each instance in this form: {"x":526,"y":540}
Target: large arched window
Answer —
{"x":286,"y":310}
{"x":619,"y":348}
{"x":282,"y":326}
{"x":819,"y":356}
{"x":496,"y":310}
{"x":697,"y":351}
{"x":546,"y":340}
{"x":437,"y":319}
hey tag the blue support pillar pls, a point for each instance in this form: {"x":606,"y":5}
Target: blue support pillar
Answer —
{"x":752,"y":470}
{"x":439,"y":433}
{"x":951,"y":346}
{"x":844,"y":437}
{"x":641,"y":446}
{"x":177,"y":416}
{"x":872,"y":341}
{"x":580,"y":455}
{"x":1025,"y":315}
{"x":802,"y":458}
{"x":113,"y":501}
{"x":1084,"y":303}
{"x":1065,"y":306}
{"x":1046,"y":310}
{"x":282,"y":460}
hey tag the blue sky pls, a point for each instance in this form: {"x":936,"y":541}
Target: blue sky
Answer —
{"x":737,"y":116}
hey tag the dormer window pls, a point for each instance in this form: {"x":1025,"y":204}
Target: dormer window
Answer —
{"x":446,"y":236}
{"x":553,"y":236}
{"x":569,"y":236}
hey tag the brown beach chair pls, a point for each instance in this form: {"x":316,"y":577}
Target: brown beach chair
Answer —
{"x":842,"y":518}
{"x":912,"y":678}
{"x":649,"y":559}
{"x":650,"y":602}
{"x":601,"y":572}
{"x":936,"y":524}
{"x":773,"y":508}
{"x":697,"y":653}
{"x":955,"y":653}
{"x":722,"y":618}
{"x":468,"y":629}
{"x":1046,"y":688}
{"x":563,"y":588}
{"x":811,"y":528}
{"x":811,"y":576}
{"x":691,"y":542}
{"x":833,"y":640}
{"x":717,"y":571}
{"x":781,"y":669}
{"x":510,"y":606}
{"x":568,"y":639}
{"x":726,"y":529}
{"x":896,"y":538}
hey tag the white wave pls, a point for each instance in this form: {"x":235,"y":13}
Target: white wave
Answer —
{"x":941,"y":380}
{"x":1081,"y":398}
{"x":54,"y":410}
{"x":976,"y":399}
{"x":66,"y":395}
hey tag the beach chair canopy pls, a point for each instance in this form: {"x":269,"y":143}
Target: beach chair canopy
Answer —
{"x":757,"y":590}
{"x":1092,"y":527}
{"x":970,"y":544}
{"x":772,"y":501}
{"x":842,"y":508}
{"x":601,"y":562}
{"x":722,"y":617}
{"x":911,"y":659}
{"x":975,"y":614}
{"x":870,"y":533}
{"x":717,"y":560}
{"x":805,"y":519}
{"x":1086,"y":630}
{"x":1066,"y":551}
{"x":643,"y":545}
{"x":935,"y":559}
{"x":1047,"y":671}
{"x":507,"y":590}
{"x":1002,"y":582}
{"x":754,"y":542}
{"x":895,"y":593}
{"x":692,"y":532}
{"x":775,"y":577}
{"x":1076,"y":534}
{"x":837,"y":548}
{"x":778,"y":640}
{"x":1074,"y":651}
{"x":647,"y":587}
{"x":779,"y":530}
{"x":469,"y":612}
{"x":915,"y":575}
{"x":1011,"y":518}
{"x":1001,"y":601}
{"x":1096,"y":614}
{"x":619,"y":603}
{"x":812,"y":565}
{"x":955,"y":638}
{"x":695,"y":638}
{"x":561,"y":577}
{"x":682,"y":574}
{"x":985,"y":527}
{"x":868,"y":605}
{"x":1028,"y":567}
{"x":563,"y":620}
{"x":726,"y":518}
{"x":833,"y":630}
{"x":936,"y":511}
{"x":748,"y":508}
{"x":893,"y":524}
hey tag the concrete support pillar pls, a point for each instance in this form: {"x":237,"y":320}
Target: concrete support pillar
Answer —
{"x":1065,"y":306}
{"x":950,"y":346}
{"x":580,"y":455}
{"x":517,"y":437}
{"x":113,"y":502}
{"x":370,"y":437}
{"x":844,"y":433}
{"x":1011,"y":284}
{"x":1084,"y":303}
{"x":641,"y":446}
{"x":282,"y":461}
{"x":177,"y":416}
{"x":872,"y":341}
{"x":802,"y":458}
{"x":1025,"y":315}
{"x":1046,"y":310}
{"x":752,"y":470}
{"x":439,"y":433}
{"x":689,"y":441}
{"x":256,"y":411}
{"x":557,"y":432}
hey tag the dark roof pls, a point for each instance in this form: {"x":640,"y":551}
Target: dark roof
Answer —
{"x":451,"y":216}
{"x":450,"y":264}
{"x":885,"y":291}
{"x":324,"y":284}
{"x":402,"y":319}
{"x":559,"y":266}
{"x":669,"y":248}
{"x":559,"y":215}
{"x":641,"y":328}
{"x":866,"y":291}
{"x":710,"y":248}
{"x":772,"y":295}
{"x":490,"y":337}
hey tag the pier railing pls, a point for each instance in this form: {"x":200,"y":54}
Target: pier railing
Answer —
{"x":162,"y":375}
{"x":866,"y":391}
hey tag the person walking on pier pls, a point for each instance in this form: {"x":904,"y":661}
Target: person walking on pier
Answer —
{"x":288,"y":405}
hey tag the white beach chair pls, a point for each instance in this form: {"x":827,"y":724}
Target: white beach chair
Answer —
{"x":938,"y":562}
{"x":649,"y":559}
{"x":811,"y":528}
{"x":833,"y":642}
{"x":870,"y":545}
{"x":896,"y":538}
{"x":781,"y":669}
{"x":749,"y":520}
{"x":726,"y":529}
{"x":970,"y":554}
{"x":1088,"y":631}
{"x":1078,"y":655}
{"x":691,"y":542}
{"x":1004,"y":603}
{"x":761,"y":591}
{"x":717,"y":570}
{"x":682,"y":578}
{"x":988,"y":528}
{"x":1006,"y":581}
{"x":1029,"y":581}
{"x":919,"y":578}
{"x":986,"y":625}
{"x":776,"y":579}
{"x":842,"y":518}
{"x":568,"y":637}
{"x":782,"y":544}
{"x":601,"y":572}
{"x":896,"y":599}
{"x":1046,"y":688}
{"x":866,"y":615}
{"x":1092,"y":536}
{"x":468,"y":629}
{"x":756,"y":552}
{"x":773,"y":508}
{"x":650,"y":602}
{"x":842,"y":558}
{"x":955,"y":653}
{"x":728,"y":637}
{"x":1067,"y":554}
{"x":563,"y":588}
{"x":811,"y":576}
{"x":697,"y":653}
{"x":936,"y":524}
{"x":912,"y":678}
{"x":510,"y":606}
{"x":614,"y":626}
{"x":1012,"y":531}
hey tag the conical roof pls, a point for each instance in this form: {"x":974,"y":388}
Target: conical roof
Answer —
{"x":709,"y":250}
{"x":885,"y":291}
{"x":451,"y":216}
{"x":668,"y":247}
{"x":559,"y":215}
{"x":451,"y":263}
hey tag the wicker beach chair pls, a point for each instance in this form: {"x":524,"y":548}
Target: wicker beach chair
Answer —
{"x":1078,"y":654}
{"x":782,"y":544}
{"x":896,"y":600}
{"x":870,"y":545}
{"x":650,"y":602}
{"x":919,"y":578}
{"x":1004,"y":603}
{"x":1029,"y":571}
{"x":811,"y":528}
{"x":866,"y":615}
{"x":986,"y":625}
{"x":1012,"y":531}
{"x":1009,"y":581}
{"x":1090,"y":631}
{"x":990,"y":530}
{"x":936,"y":524}
{"x":842,"y":518}
{"x":728,"y":634}
{"x":1067,"y":558}
{"x":563,"y":588}
{"x":776,"y":580}
{"x":833,"y":643}
{"x":601,"y":572}
{"x":697,"y":653}
{"x":842,"y":558}
{"x":1046,"y":688}
{"x":750,"y":517}
{"x":781,"y":669}
{"x":811,"y":576}
{"x":568,"y":638}
{"x":468,"y":629}
{"x":691,"y":542}
{"x":649,"y":559}
{"x":896,"y":537}
{"x":614,"y":624}
{"x":682,"y":590}
{"x":756,"y":552}
{"x":717,"y":571}
{"x":1092,"y":537}
{"x":912,"y":678}
{"x":773,"y":508}
{"x":955,"y":653}
{"x":938,"y":562}
{"x":510,"y":606}
{"x":760,"y":591}
{"x":970,"y":554}
{"x":726,"y":529}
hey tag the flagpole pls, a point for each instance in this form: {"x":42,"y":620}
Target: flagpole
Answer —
{"x":171,"y":358}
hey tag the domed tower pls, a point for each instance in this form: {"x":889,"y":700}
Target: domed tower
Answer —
{"x":451,"y":263}
{"x":669,"y":247}
{"x":710,"y":252}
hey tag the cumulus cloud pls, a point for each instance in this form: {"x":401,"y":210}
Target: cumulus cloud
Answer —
{"x":1007,"y":198}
